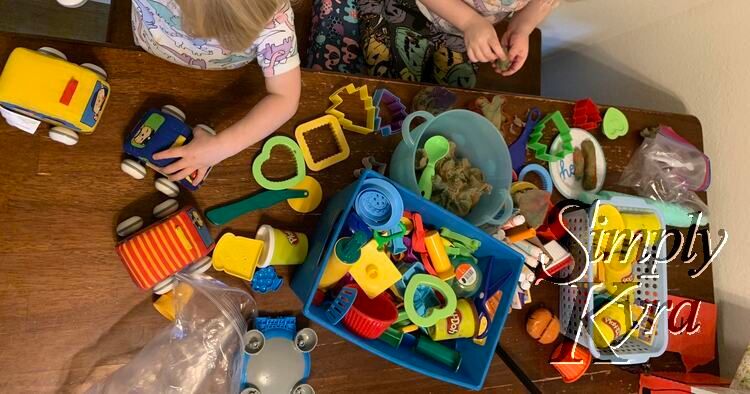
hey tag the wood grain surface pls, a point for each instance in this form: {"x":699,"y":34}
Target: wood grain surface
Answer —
{"x":69,"y":314}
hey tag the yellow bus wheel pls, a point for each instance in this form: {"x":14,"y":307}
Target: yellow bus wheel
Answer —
{"x":98,"y":70}
{"x":52,"y":52}
{"x":63,"y":135}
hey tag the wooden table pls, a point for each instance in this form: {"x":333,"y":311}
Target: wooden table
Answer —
{"x":69,"y":314}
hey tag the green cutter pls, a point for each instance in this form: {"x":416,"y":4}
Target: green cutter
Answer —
{"x":226,"y":213}
{"x":434,"y":314}
{"x":540,"y":149}
{"x":265,"y":154}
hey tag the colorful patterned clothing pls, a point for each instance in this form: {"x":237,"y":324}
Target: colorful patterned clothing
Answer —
{"x":157,"y":28}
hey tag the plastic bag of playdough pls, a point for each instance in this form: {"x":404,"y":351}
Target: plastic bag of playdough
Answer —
{"x":201,"y":352}
{"x":666,"y":167}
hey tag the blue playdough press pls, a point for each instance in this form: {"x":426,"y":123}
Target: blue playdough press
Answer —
{"x":276,"y":360}
{"x":379,"y":205}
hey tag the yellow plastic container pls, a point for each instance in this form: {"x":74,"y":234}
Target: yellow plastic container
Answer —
{"x":647,"y":223}
{"x":610,"y":324}
{"x":461,"y":324}
{"x":281,"y":247}
{"x":237,"y":256}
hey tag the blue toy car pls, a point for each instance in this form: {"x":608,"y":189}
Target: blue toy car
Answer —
{"x":158,"y":130}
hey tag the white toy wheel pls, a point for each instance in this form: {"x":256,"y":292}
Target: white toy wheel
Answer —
{"x":98,"y":70}
{"x":164,"y":286}
{"x":166,"y":208}
{"x":209,"y":129}
{"x":72,"y":3}
{"x":174,"y":111}
{"x":63,"y":135}
{"x":200,"y":266}
{"x":167,"y":187}
{"x":133,"y":168}
{"x":52,"y":52}
{"x":129,"y":226}
{"x":303,"y":388}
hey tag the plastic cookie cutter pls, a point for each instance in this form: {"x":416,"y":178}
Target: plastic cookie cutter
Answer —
{"x":586,"y":115}
{"x":615,"y":123}
{"x":396,"y":108}
{"x":265,"y":154}
{"x":386,"y":237}
{"x":237,"y":256}
{"x":432,"y":316}
{"x":332,"y":123}
{"x":470,"y":243}
{"x":341,"y":304}
{"x":379,"y":205}
{"x":369,"y":163}
{"x":367,"y":102}
{"x":539,"y":170}
{"x":374,"y":271}
{"x":226,"y":213}
{"x":541,"y":150}
{"x":518,"y":148}
{"x":266,"y":280}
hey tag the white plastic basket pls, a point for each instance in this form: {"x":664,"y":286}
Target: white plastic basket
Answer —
{"x":575,"y":297}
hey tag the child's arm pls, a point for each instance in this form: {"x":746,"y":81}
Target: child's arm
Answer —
{"x":523,"y":23}
{"x":205,"y":150}
{"x":482,"y":44}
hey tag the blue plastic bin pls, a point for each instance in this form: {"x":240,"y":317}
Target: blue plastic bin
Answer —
{"x":476,"y":359}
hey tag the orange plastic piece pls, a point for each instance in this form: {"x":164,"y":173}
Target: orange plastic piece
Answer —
{"x":367,"y":102}
{"x":516,"y":234}
{"x":571,"y":366}
{"x":543,"y":326}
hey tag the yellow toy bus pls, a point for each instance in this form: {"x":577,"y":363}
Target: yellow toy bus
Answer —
{"x":42,"y":86}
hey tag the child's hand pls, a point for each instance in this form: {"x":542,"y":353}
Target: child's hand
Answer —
{"x":517,"y":42}
{"x":482,"y":44}
{"x":196,"y":157}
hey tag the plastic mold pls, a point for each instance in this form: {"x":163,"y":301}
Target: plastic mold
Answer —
{"x":395,"y":106}
{"x":333,"y":123}
{"x":541,"y":150}
{"x":265,"y":154}
{"x":266,"y":280}
{"x":370,"y":109}
{"x":586,"y":115}
{"x":374,"y":271}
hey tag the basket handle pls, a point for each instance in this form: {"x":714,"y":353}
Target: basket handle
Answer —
{"x":507,"y":207}
{"x":406,"y":126}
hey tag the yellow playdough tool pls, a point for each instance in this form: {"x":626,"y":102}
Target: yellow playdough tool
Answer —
{"x":237,"y":256}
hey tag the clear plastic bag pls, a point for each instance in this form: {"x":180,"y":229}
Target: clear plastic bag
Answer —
{"x":200,"y":353}
{"x":666,"y":167}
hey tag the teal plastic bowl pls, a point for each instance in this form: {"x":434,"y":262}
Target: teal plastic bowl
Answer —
{"x":477,"y":140}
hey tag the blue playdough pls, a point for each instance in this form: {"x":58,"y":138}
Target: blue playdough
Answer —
{"x":266,"y":280}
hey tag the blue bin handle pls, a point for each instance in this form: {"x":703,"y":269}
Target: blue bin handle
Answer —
{"x":406,"y":127}
{"x":507,"y":206}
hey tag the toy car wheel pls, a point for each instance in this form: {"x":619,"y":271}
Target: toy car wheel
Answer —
{"x":72,"y":3}
{"x":250,"y":390}
{"x":174,"y":111}
{"x":208,"y":129}
{"x":93,"y":67}
{"x":254,"y":341}
{"x":63,"y":135}
{"x":129,"y":226}
{"x":133,"y":168}
{"x":166,"y":208}
{"x":200,"y":266}
{"x":167,"y":187}
{"x":52,"y":52}
{"x":306,"y":340}
{"x":164,"y":286}
{"x":303,"y":388}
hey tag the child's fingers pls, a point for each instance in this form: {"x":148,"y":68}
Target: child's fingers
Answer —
{"x":182,"y":174}
{"x":174,"y":167}
{"x":515,"y":66}
{"x":498,"y":50}
{"x":505,"y":40}
{"x":200,"y":174}
{"x":470,"y":53}
{"x":168,"y":154}
{"x":487,"y":52}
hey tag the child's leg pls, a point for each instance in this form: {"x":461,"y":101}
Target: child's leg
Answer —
{"x":451,"y":65}
{"x":334,"y":37}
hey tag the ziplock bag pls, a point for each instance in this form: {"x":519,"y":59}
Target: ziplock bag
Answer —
{"x":201,"y":352}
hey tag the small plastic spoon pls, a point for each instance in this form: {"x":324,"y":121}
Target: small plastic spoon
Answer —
{"x":436,"y":148}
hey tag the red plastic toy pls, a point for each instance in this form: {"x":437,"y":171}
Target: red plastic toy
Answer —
{"x":570,"y":366}
{"x":586,"y":115}
{"x":370,"y":317}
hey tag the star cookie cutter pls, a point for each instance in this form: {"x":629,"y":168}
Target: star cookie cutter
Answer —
{"x":540,"y":149}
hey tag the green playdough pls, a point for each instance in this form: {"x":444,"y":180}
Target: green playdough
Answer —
{"x":435,"y":314}
{"x":265,"y":154}
{"x":457,"y":185}
{"x":540,"y":149}
{"x":615,"y":124}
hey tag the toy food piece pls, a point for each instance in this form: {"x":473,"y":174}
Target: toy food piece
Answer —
{"x":237,"y":256}
{"x":435,"y":314}
{"x":503,"y":65}
{"x":228,"y":212}
{"x":331,"y":123}
{"x":374,"y":271}
{"x":156,"y":131}
{"x":370,"y":317}
{"x":461,"y":324}
{"x":589,"y":169}
{"x":579,"y":164}
{"x":265,"y":155}
{"x":367,"y":103}
{"x":313,"y":199}
{"x":282,"y":247}
{"x":571,"y":360}
{"x":543,"y":326}
{"x":42,"y":86}
{"x":153,"y":255}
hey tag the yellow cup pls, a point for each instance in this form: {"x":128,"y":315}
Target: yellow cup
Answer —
{"x":281,"y":247}
{"x":461,"y":324}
